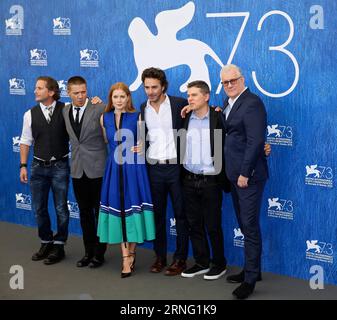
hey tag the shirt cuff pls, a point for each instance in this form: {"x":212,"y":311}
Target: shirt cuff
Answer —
{"x":26,"y":141}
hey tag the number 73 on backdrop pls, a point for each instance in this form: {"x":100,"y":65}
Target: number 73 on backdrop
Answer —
{"x":281,"y":47}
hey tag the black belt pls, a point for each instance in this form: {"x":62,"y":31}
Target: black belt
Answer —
{"x":194,"y":176}
{"x":166,"y":161}
{"x":48,"y":163}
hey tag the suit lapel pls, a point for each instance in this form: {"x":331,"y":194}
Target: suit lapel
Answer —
{"x":237,"y":105}
{"x":174,"y":111}
{"x":187,"y":120}
{"x":223,"y":115}
{"x":88,"y":112}
{"x":69,"y":110}
{"x":225,"y":104}
{"x":212,"y":125}
{"x":142,"y":112}
{"x":183,"y":137}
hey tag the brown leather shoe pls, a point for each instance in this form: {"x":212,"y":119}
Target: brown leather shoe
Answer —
{"x":158,"y":265}
{"x":176,"y":268}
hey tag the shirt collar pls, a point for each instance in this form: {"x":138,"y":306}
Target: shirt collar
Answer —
{"x":44,"y":107}
{"x":194,"y":116}
{"x":165,"y":102}
{"x":83,"y":107}
{"x":232,"y":101}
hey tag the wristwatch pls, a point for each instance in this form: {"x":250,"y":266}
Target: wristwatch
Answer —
{"x":23,"y":165}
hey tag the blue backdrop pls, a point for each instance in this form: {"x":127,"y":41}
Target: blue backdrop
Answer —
{"x":287,"y":50}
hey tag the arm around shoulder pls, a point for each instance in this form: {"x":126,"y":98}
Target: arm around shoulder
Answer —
{"x":101,"y":120}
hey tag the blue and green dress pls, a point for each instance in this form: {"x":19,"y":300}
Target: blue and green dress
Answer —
{"x":126,"y":210}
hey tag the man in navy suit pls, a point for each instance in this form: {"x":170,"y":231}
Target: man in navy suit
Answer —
{"x":161,"y":116}
{"x":245,"y":121}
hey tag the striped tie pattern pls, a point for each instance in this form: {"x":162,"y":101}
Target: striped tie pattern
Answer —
{"x":50,"y":113}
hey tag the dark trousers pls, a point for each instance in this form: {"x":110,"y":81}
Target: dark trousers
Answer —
{"x":203,"y":202}
{"x":88,"y":193}
{"x":247,"y":204}
{"x":164,"y":181}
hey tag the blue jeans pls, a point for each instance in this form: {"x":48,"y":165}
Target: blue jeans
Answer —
{"x":56,"y":177}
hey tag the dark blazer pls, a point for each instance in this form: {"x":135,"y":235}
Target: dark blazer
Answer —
{"x":215,"y":122}
{"x":245,"y":136}
{"x":177,"y":121}
{"x":89,"y":151}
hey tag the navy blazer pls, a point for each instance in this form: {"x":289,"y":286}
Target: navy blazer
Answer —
{"x":177,"y":104}
{"x":245,"y":137}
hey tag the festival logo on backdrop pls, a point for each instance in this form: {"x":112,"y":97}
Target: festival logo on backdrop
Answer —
{"x":280,"y":135}
{"x":16,"y":144}
{"x":17,"y":86}
{"x":63,"y":88}
{"x":321,"y":176}
{"x":74,"y":210}
{"x":239,"y":238}
{"x":23,"y":201}
{"x":61,"y":26}
{"x":15,"y":23}
{"x":173,"y":229}
{"x":89,"y":58}
{"x":319,"y":251}
{"x":163,"y":50}
{"x":280,"y":208}
{"x":38,"y":57}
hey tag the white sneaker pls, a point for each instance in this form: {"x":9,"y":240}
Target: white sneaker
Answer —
{"x":195,"y":270}
{"x":215,"y":273}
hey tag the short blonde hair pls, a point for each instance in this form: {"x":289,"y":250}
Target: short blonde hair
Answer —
{"x":228,"y":67}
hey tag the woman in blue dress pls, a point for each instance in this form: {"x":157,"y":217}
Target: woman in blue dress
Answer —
{"x":126,"y":211}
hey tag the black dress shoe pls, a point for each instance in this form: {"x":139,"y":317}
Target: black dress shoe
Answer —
{"x":240,"y":277}
{"x":84,"y":262}
{"x":244,"y":290}
{"x":95,"y":262}
{"x":43,"y":251}
{"x":56,"y":254}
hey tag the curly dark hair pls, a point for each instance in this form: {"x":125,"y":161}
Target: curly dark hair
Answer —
{"x":156,"y":73}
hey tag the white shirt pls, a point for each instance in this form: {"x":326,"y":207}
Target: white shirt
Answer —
{"x":231,"y":103}
{"x":160,"y":131}
{"x":27,"y":135}
{"x":81,"y":111}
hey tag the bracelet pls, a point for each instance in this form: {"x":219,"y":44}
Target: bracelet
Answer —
{"x":23,"y":165}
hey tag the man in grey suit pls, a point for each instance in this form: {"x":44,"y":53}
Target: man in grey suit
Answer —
{"x":88,"y":158}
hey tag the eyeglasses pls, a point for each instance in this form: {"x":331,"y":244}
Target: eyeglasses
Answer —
{"x":231,"y":81}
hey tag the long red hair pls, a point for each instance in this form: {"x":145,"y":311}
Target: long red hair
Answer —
{"x":122,"y":86}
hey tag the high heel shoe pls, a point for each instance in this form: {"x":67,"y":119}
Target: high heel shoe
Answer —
{"x":125,"y":274}
{"x":133,"y":264}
